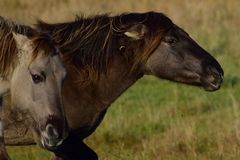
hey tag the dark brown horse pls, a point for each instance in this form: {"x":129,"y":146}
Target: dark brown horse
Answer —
{"x":105,"y":55}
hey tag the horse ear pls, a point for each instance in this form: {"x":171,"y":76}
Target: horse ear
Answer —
{"x":136,"y":32}
{"x":21,"y":40}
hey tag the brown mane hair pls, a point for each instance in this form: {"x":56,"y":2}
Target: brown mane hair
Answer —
{"x":89,"y":43}
{"x":8,"y":46}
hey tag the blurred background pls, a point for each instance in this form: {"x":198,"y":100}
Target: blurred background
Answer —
{"x":156,"y":119}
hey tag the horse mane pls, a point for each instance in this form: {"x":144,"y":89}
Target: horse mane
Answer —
{"x":88,"y":43}
{"x":8,"y":46}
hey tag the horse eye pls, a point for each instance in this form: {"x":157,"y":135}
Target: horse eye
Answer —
{"x":37,"y":78}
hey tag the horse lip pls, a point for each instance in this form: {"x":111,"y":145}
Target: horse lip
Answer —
{"x":212,"y":85}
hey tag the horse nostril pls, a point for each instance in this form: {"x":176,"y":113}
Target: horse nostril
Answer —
{"x":52,"y":131}
{"x":51,"y":137}
{"x":215,"y":72}
{"x":221,"y":74}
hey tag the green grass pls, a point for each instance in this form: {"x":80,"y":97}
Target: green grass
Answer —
{"x":157,"y":119}
{"x":28,"y":153}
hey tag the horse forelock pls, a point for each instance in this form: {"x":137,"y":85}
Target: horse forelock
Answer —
{"x":88,"y":43}
{"x":8,"y":46}
{"x":43,"y":43}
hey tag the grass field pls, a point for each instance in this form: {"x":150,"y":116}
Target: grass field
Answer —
{"x":157,"y":119}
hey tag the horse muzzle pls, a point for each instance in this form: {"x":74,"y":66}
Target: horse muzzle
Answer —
{"x":213,"y":80}
{"x":51,"y":138}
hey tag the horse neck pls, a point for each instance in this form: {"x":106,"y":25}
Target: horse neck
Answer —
{"x":101,"y":92}
{"x":116,"y":81}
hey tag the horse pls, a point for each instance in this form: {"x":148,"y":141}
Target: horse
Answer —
{"x":104,"y":55}
{"x":32,"y":71}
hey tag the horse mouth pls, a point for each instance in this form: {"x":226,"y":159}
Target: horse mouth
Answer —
{"x":212,"y":83}
{"x":51,"y":143}
{"x":208,"y":83}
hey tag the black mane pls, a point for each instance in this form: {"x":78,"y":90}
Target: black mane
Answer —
{"x":18,"y":28}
